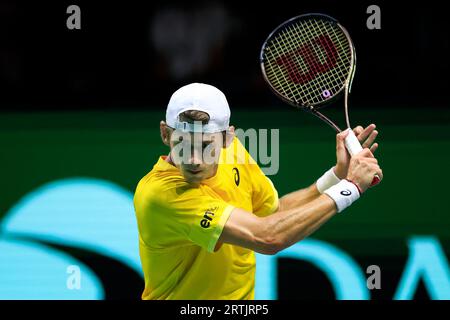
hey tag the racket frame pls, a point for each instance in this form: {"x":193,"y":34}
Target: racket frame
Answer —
{"x":351,"y":142}
{"x":346,"y":87}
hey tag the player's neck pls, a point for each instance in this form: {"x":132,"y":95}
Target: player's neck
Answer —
{"x":169,"y":160}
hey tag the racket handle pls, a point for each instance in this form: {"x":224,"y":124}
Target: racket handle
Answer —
{"x":352,"y":143}
{"x":353,"y":146}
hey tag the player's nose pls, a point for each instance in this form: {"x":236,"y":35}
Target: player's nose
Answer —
{"x":195,"y":160}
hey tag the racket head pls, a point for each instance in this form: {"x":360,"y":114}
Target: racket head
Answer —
{"x":308,"y":60}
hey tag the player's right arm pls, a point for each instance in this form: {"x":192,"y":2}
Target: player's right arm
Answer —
{"x":273,"y":233}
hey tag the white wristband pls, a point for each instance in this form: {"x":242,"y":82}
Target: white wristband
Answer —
{"x":344,"y":194}
{"x":327,"y":180}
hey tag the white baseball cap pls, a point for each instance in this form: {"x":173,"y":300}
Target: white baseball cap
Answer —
{"x":201,"y":97}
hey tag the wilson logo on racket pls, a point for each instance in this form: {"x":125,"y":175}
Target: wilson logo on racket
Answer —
{"x":346,"y":192}
{"x":308,"y":53}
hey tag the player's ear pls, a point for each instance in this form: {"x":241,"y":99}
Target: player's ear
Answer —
{"x":229,"y":135}
{"x":165,"y":133}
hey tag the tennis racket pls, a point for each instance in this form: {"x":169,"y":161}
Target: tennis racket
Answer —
{"x":309,"y":61}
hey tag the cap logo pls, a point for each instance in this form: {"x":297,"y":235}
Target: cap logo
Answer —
{"x":197,"y":126}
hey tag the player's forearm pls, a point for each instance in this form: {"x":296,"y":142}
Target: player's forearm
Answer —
{"x":287,"y":227}
{"x":298,"y":198}
{"x":303,"y":196}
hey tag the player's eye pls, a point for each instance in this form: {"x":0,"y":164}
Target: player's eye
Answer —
{"x":177,"y":141}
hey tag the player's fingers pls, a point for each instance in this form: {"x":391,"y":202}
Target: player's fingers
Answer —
{"x":365,"y":153}
{"x":370,"y":140}
{"x":371,"y":160}
{"x":358,"y":130}
{"x":379,"y":172}
{"x":342,"y":135}
{"x":340,"y":138}
{"x":375,"y":170}
{"x":366,"y":132}
{"x":374,"y":148}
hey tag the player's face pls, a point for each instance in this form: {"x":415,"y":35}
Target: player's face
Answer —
{"x":196,"y":155}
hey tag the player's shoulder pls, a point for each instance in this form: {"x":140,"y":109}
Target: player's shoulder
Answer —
{"x":165,"y":199}
{"x":237,"y":154}
{"x":159,"y":184}
{"x":244,"y":161}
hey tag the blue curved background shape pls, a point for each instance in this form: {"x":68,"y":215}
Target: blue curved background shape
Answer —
{"x":79,"y":212}
{"x":29,"y":271}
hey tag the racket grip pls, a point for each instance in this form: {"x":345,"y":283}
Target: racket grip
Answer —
{"x":353,"y":146}
{"x":352,"y":143}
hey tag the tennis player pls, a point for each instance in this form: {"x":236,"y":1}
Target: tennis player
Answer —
{"x":201,"y":222}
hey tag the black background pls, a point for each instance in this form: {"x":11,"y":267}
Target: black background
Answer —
{"x":111,"y":63}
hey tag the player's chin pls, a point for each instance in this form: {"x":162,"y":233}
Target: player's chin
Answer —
{"x":193,"y":178}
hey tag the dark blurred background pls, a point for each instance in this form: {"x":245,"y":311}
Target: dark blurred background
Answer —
{"x":79,"y":128}
{"x":134,"y":54}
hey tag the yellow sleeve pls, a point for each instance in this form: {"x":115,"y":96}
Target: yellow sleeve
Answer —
{"x":264,"y":195}
{"x":206,"y":233}
{"x":184,"y":215}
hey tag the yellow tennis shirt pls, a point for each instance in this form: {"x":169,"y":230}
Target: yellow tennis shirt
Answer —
{"x":179,"y":226}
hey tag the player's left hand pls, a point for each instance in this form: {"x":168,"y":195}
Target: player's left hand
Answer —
{"x":366,"y":137}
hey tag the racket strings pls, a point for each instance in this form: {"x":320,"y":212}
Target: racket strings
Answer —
{"x":335,"y":81}
{"x":302,"y":59}
{"x":328,"y":79}
{"x":320,"y":78}
{"x":296,"y":61}
{"x":342,"y":39}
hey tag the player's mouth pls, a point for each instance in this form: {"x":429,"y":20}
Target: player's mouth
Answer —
{"x":194,"y":171}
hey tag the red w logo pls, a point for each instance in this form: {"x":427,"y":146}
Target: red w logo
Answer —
{"x":309,"y":56}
